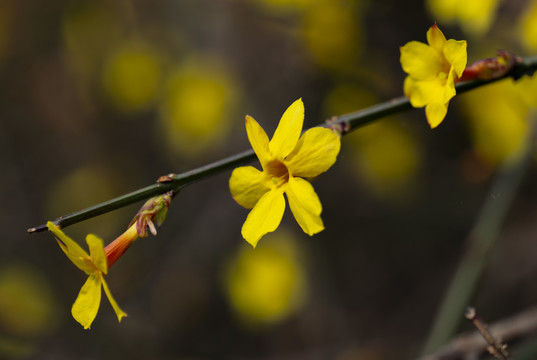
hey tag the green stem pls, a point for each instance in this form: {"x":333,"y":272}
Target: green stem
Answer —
{"x":344,"y":124}
{"x":171,"y":183}
{"x":480,"y":244}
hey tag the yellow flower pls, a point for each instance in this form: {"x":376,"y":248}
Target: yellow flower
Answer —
{"x":95,"y":265}
{"x":474,"y":16}
{"x":285,"y":160}
{"x":432,"y":72}
{"x":132,"y":75}
{"x":528,"y":26}
{"x":268,"y":284}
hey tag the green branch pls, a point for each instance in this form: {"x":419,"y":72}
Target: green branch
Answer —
{"x":344,"y":124}
{"x":171,"y":182}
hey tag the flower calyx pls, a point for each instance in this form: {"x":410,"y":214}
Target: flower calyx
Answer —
{"x":153,"y":212}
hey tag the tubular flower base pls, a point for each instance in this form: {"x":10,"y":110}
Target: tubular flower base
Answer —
{"x":285,"y":160}
{"x":95,"y":265}
{"x":432,"y":72}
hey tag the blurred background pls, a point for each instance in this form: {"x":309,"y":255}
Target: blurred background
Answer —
{"x":100,"y":98}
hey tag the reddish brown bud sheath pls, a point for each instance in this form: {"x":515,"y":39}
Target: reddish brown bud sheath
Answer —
{"x":491,"y":68}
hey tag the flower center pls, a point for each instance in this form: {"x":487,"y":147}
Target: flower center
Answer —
{"x":277,"y":173}
{"x":444,"y":71}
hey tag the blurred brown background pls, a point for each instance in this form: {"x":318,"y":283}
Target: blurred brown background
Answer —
{"x":99,"y":98}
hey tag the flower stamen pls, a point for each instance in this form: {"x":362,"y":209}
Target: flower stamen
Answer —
{"x":277,"y":173}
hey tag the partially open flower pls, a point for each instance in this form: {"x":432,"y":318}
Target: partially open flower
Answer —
{"x":100,"y":259}
{"x":95,"y":265}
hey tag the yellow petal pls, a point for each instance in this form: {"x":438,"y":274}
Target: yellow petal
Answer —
{"x":423,"y":92}
{"x":435,"y":112}
{"x":288,"y":130}
{"x":72,"y":246}
{"x":72,"y":250}
{"x":258,"y":139}
{"x":411,"y":89}
{"x":264,"y":217}
{"x":119,"y":313}
{"x":455,"y":54}
{"x":447,"y":89}
{"x":438,"y":90}
{"x":305,"y":205}
{"x":436,"y":39}
{"x":315,"y":152}
{"x":420,"y":61}
{"x":247,"y":186}
{"x":87,"y":303}
{"x":83,"y":264}
{"x":98,"y":256}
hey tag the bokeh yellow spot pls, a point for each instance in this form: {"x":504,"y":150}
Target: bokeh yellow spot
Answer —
{"x":266,"y":284}
{"x":27,"y":305}
{"x":131,"y":77}
{"x":528,"y":27}
{"x":387,"y":157}
{"x":88,"y":32}
{"x":385,"y":154}
{"x":331,"y":33}
{"x":80,"y":189}
{"x":497,"y":121}
{"x":196,"y":107}
{"x":526,"y":88}
{"x":345,"y":98}
{"x":474,"y":16}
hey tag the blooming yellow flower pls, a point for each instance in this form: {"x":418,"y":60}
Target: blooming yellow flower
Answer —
{"x":95,"y":264}
{"x":432,"y":72}
{"x":285,"y":160}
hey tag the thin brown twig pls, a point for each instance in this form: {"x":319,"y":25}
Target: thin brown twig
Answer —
{"x":495,"y":348}
{"x":471,"y":345}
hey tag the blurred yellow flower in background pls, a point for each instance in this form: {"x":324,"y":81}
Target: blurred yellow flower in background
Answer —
{"x":387,"y":157}
{"x":27,"y":303}
{"x":95,"y":265}
{"x":132,"y":76}
{"x":28,"y":310}
{"x":528,"y":27}
{"x":384,"y":154}
{"x":89,"y":31}
{"x":199,"y":97}
{"x":285,"y":160}
{"x":527,"y":90}
{"x":432,"y":72}
{"x":331,"y":33}
{"x":81,"y":188}
{"x":474,"y":16}
{"x":267,"y":284}
{"x":497,"y":120}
